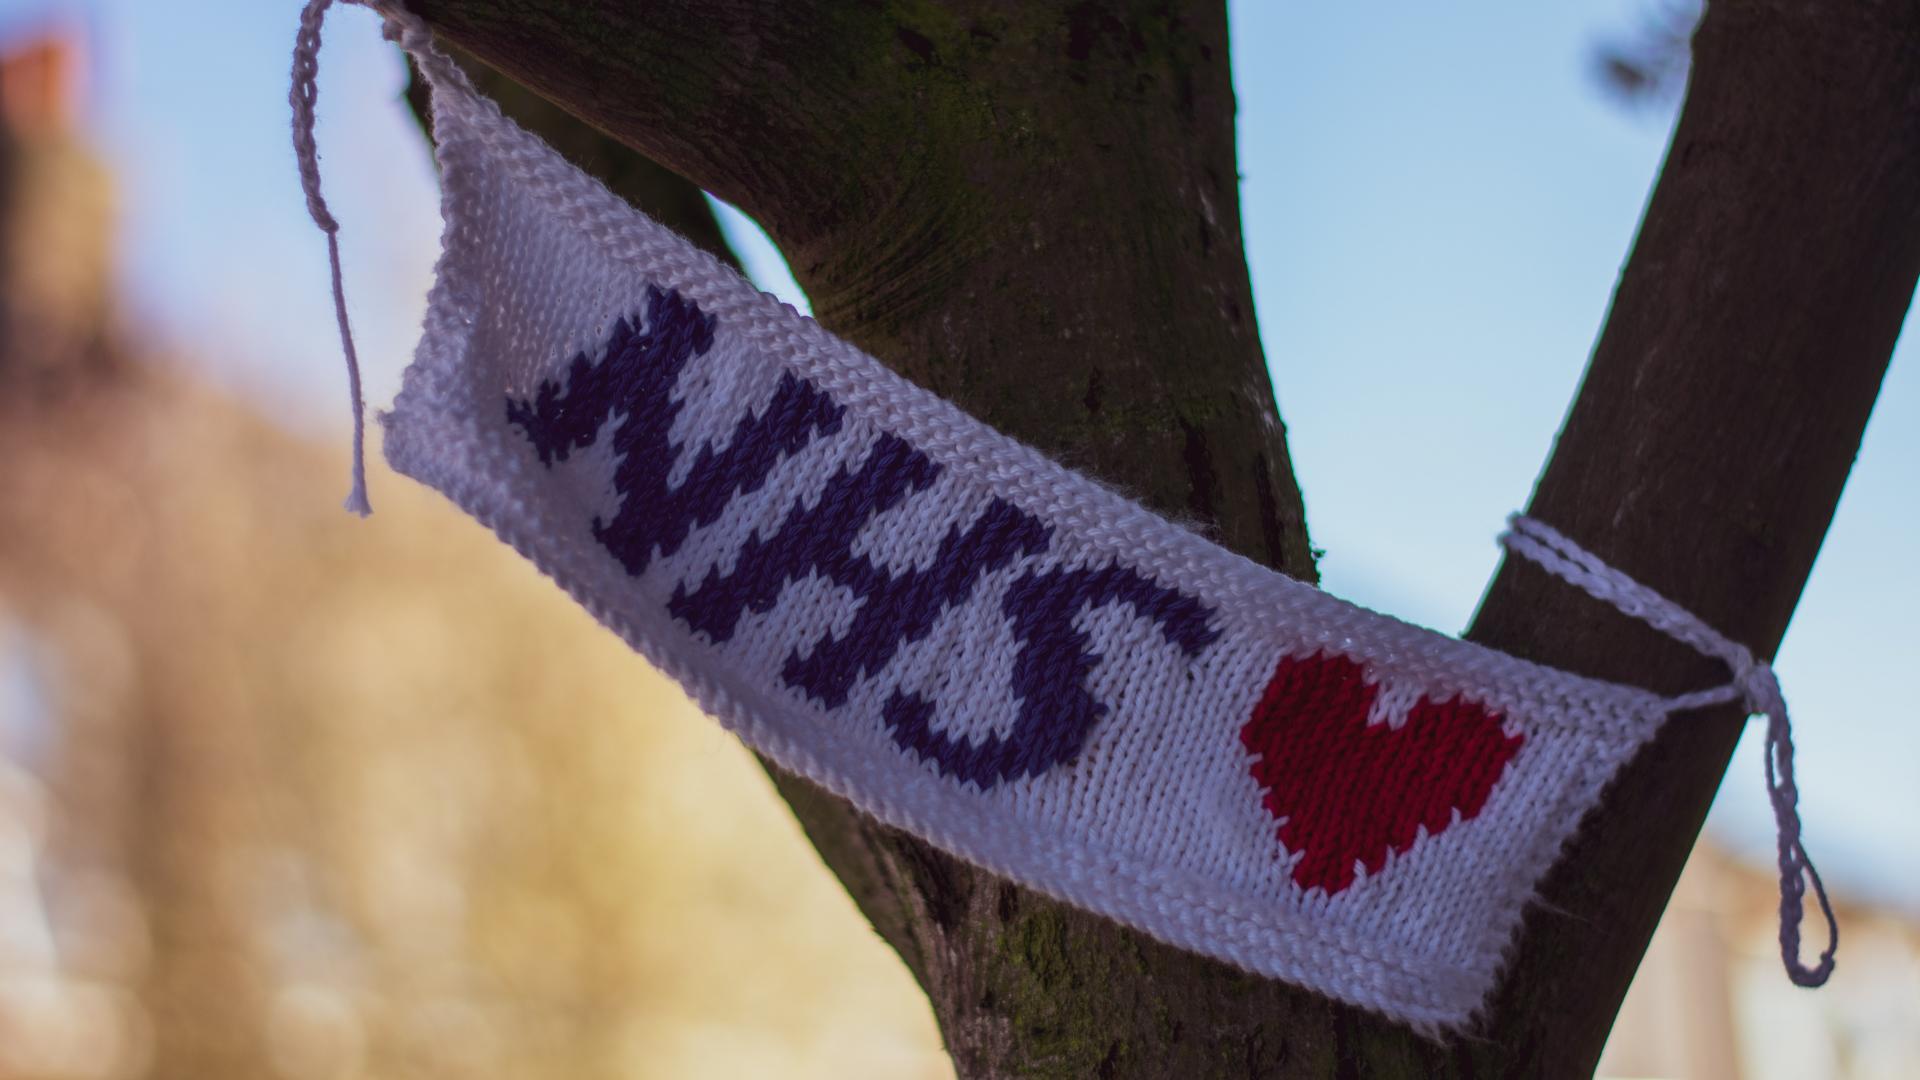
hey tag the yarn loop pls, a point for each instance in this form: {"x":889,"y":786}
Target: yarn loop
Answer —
{"x":1754,"y":686}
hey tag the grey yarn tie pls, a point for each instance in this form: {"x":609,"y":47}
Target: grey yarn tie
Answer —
{"x":1754,"y":685}
{"x":306,"y":65}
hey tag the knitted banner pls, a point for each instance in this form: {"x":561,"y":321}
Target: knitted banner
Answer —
{"x":959,"y":636}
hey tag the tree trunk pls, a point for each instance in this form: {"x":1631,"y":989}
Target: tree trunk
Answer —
{"x":1034,"y":212}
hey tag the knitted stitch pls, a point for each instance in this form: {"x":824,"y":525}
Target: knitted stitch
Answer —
{"x":965,"y":639}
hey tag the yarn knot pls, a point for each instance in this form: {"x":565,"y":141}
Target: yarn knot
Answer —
{"x":1758,"y":686}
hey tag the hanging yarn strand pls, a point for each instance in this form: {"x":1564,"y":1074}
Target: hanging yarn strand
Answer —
{"x":1754,"y":686}
{"x":306,"y":65}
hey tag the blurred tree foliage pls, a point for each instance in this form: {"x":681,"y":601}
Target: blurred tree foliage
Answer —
{"x":1647,"y":68}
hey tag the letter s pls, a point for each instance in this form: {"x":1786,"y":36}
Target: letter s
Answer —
{"x":1049,"y":675}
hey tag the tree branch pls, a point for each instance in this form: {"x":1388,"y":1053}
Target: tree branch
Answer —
{"x":1709,"y":445}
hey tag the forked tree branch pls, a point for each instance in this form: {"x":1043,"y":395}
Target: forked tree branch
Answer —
{"x":1036,"y":215}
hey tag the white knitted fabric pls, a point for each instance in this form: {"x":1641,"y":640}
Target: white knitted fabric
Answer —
{"x":1215,"y":712}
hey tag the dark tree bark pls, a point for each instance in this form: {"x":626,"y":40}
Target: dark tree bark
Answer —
{"x":1033,"y":210}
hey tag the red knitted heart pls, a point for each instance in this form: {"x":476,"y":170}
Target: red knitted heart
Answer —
{"x":1345,"y":791}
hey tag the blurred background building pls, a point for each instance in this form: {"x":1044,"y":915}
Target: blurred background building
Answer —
{"x":284,"y":794}
{"x":279,"y":797}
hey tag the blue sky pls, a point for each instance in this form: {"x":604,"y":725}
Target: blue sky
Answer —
{"x":1438,"y":200}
